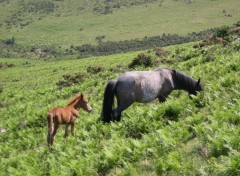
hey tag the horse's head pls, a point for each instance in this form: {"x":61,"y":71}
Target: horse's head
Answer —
{"x":197,"y":88}
{"x":83,"y":103}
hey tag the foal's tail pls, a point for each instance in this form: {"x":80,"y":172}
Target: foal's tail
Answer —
{"x":50,"y":128}
{"x":108,"y":101}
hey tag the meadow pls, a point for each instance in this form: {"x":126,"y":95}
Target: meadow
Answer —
{"x":178,"y":137}
{"x":181,"y":136}
{"x":64,"y":23}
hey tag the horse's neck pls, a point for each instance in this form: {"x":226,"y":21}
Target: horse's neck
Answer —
{"x":182,"y":81}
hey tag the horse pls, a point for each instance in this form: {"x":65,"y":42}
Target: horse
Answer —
{"x":144,"y":87}
{"x":66,"y":115}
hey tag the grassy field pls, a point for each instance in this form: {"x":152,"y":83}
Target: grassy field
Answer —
{"x":67,"y":25}
{"x":178,"y":137}
{"x":181,"y":136}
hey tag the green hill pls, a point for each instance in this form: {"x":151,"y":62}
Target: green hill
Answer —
{"x":63,"y":23}
{"x":178,"y":137}
{"x":181,"y":136}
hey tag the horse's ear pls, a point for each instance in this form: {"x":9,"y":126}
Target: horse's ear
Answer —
{"x":198,"y":82}
{"x":199,"y":87}
{"x":81,"y":95}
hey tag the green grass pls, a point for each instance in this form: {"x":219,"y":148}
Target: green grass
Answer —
{"x":66,"y":26}
{"x":201,"y":139}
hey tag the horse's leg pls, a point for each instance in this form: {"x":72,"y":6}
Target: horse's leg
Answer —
{"x":121,"y":107}
{"x":123,"y":102}
{"x":54,"y":132}
{"x":161,"y":99}
{"x":66,"y":130}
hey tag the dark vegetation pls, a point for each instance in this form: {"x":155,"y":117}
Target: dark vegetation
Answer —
{"x":221,"y":35}
{"x":107,"y":6}
{"x":3,"y":65}
{"x":69,"y":80}
{"x":43,"y":7}
{"x":95,"y":69}
{"x":112,"y":47}
{"x":141,"y":60}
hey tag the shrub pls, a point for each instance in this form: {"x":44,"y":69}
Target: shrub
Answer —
{"x":95,"y":69}
{"x":42,"y":6}
{"x":222,"y":31}
{"x":141,"y":60}
{"x":161,"y":52}
{"x":69,"y":80}
{"x":119,"y":69}
{"x":10,"y":41}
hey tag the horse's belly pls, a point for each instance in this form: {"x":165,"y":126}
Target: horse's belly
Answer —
{"x":148,"y":89}
{"x":148,"y":98}
{"x":149,"y":95}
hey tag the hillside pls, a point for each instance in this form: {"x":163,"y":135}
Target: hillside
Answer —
{"x":65,"y":23}
{"x":178,"y":137}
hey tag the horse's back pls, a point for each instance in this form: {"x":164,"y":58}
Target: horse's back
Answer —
{"x":144,"y":86}
{"x":140,"y":86}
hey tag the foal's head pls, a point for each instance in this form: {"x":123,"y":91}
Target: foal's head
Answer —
{"x":82,"y":102}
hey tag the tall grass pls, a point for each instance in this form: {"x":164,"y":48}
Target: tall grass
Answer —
{"x":179,"y":136}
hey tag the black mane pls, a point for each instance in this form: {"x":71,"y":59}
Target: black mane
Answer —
{"x":183,"y":82}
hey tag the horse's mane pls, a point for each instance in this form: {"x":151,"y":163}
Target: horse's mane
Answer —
{"x":182,"y":81}
{"x":73,"y":99}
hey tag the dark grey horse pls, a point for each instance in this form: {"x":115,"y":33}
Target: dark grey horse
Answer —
{"x":143,"y":87}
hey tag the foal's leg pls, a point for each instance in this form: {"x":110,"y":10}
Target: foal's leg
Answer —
{"x":72,"y":128}
{"x":66,"y":130}
{"x":50,"y":128}
{"x":50,"y":132}
{"x":55,"y":128}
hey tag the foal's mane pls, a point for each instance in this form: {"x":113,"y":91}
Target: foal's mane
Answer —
{"x":182,"y":81}
{"x":73,"y":99}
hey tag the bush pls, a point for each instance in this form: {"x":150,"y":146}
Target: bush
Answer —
{"x":119,"y":69}
{"x":42,"y":6}
{"x":161,"y":52}
{"x":95,"y":70}
{"x":222,"y":32}
{"x":69,"y":80}
{"x":9,"y":41}
{"x":141,"y":60}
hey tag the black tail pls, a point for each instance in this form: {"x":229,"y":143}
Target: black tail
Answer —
{"x":108,"y":101}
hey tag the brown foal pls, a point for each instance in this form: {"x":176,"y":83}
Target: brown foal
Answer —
{"x":66,"y":115}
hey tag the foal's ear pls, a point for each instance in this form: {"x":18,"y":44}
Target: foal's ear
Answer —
{"x":81,"y":95}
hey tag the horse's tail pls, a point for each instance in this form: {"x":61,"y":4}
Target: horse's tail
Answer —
{"x":50,"y":128}
{"x":108,"y":101}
